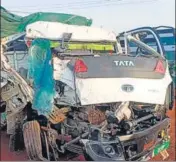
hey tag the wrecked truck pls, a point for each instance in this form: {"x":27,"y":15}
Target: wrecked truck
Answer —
{"x":106,"y":106}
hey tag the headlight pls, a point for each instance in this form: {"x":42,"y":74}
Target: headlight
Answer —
{"x":104,"y":151}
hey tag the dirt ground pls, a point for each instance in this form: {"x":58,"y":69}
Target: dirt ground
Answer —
{"x":6,"y":155}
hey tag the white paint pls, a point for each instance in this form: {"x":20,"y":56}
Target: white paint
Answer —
{"x":62,"y":72}
{"x":106,"y":90}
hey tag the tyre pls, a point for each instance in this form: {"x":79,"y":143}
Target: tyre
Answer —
{"x":32,"y":140}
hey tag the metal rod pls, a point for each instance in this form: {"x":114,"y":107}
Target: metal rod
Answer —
{"x":131,"y":124}
{"x":76,"y":139}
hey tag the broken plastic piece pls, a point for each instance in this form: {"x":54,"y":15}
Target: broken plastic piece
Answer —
{"x":58,"y":115}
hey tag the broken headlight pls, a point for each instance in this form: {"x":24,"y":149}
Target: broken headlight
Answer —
{"x":103,"y":151}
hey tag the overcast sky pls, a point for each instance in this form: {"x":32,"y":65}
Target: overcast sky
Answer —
{"x":116,"y":15}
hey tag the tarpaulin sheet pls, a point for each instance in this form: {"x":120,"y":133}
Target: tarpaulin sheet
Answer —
{"x":41,"y":72}
{"x":54,"y":17}
{"x":9,"y":23}
{"x":12,"y":24}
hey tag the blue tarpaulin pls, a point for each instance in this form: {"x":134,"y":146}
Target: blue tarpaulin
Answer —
{"x":41,"y":72}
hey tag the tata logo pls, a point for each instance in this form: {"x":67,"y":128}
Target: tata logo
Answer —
{"x":124,"y":63}
{"x":127,"y":88}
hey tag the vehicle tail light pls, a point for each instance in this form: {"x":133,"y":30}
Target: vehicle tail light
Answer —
{"x":80,"y":66}
{"x":160,"y":67}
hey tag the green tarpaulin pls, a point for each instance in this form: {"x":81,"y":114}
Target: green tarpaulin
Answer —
{"x":54,"y":17}
{"x":12,"y":24}
{"x":9,"y":23}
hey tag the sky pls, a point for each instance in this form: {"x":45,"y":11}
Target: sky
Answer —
{"x":115,"y":15}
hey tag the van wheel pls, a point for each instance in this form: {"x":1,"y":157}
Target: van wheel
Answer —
{"x":32,"y":140}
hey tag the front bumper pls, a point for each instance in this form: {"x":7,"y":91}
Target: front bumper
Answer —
{"x":117,"y":150}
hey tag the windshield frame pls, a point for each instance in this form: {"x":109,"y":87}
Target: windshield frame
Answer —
{"x":133,"y":36}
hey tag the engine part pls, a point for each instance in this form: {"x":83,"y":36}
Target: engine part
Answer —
{"x":76,"y":139}
{"x":144,"y":111}
{"x":65,"y":138}
{"x":111,"y":118}
{"x":67,"y":145}
{"x":123,"y":112}
{"x":131,"y":124}
{"x":32,"y":140}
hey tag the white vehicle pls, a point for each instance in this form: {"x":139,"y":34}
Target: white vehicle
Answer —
{"x":108,"y":107}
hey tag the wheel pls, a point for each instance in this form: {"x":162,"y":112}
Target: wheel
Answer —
{"x":32,"y":140}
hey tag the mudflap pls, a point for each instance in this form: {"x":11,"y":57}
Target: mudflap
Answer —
{"x":32,"y":141}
